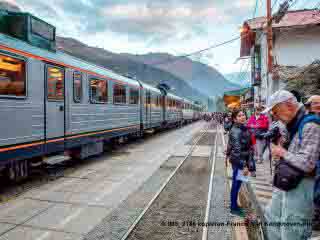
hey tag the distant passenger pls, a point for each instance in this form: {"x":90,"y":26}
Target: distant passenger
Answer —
{"x":258,"y":125}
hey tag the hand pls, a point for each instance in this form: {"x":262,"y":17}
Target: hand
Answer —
{"x":277,"y":151}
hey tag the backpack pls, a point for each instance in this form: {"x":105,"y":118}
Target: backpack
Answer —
{"x":316,"y":190}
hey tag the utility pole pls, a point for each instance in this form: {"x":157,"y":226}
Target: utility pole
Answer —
{"x":270,"y":45}
{"x":269,"y":36}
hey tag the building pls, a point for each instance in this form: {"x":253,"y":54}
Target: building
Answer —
{"x":296,"y":46}
{"x":241,"y":98}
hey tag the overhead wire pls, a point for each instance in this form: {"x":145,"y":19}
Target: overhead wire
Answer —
{"x":196,"y":52}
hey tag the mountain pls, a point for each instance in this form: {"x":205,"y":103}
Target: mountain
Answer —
{"x":200,"y":76}
{"x":242,"y":79}
{"x":127,"y":67}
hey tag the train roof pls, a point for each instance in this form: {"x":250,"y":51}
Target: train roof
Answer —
{"x":187,"y":101}
{"x":20,"y":47}
{"x":174,"y":96}
{"x":149,"y":87}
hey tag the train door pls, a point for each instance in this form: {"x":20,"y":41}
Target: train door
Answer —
{"x":55,"y":107}
{"x":148,"y":108}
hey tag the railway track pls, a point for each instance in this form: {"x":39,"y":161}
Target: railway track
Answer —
{"x":182,"y":204}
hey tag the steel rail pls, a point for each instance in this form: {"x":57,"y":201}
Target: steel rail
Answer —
{"x":133,"y":226}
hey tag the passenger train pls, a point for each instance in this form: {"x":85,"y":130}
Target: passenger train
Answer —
{"x":53,"y":103}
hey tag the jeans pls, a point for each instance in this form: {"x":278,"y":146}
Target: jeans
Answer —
{"x":252,"y":165}
{"x":258,"y":149}
{"x":235,"y":188}
{"x":293,"y":210}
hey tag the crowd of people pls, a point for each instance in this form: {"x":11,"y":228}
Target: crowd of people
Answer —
{"x":285,"y":133}
{"x":214,"y":116}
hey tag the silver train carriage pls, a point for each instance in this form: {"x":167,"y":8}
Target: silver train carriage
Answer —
{"x":51,"y":103}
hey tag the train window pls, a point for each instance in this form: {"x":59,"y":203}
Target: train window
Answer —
{"x":12,"y":76}
{"x":55,"y":83}
{"x":98,"y":90}
{"x":42,"y":29}
{"x":161,"y":100}
{"x":119,"y":94}
{"x":134,"y":96}
{"x":77,"y":86}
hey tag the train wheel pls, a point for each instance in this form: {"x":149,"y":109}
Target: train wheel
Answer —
{"x":12,"y":173}
{"x":18,"y":171}
{"x":25,"y":169}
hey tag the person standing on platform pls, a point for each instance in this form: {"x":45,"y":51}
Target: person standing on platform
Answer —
{"x":292,"y":204}
{"x":258,"y":125}
{"x":240,"y":154}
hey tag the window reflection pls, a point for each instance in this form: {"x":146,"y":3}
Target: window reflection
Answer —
{"x":99,"y":90}
{"x":12,"y":76}
{"x":55,"y":79}
{"x":134,"y":96}
{"x":119,"y":94}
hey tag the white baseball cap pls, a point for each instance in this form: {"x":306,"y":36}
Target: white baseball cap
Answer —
{"x":278,"y":97}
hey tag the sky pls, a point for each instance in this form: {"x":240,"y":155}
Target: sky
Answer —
{"x":142,"y":26}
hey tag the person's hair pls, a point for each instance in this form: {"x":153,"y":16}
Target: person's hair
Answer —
{"x":259,"y":108}
{"x":297,"y":95}
{"x":235,"y":114}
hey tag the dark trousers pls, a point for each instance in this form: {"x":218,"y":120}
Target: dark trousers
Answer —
{"x":235,"y":188}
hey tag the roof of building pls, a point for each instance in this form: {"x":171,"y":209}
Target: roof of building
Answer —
{"x":237,"y":92}
{"x":298,"y":18}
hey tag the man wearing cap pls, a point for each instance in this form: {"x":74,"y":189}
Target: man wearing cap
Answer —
{"x":293,"y":209}
{"x":313,"y":104}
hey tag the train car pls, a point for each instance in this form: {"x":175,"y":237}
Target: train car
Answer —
{"x":187,"y":111}
{"x":196,"y":112}
{"x":173,"y":110}
{"x":152,"y":107}
{"x":52,"y":103}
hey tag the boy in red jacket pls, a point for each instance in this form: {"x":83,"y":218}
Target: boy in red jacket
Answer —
{"x":258,"y":124}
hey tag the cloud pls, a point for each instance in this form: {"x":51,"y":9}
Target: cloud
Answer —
{"x":162,"y":21}
{"x":141,"y":26}
{"x":11,"y":2}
